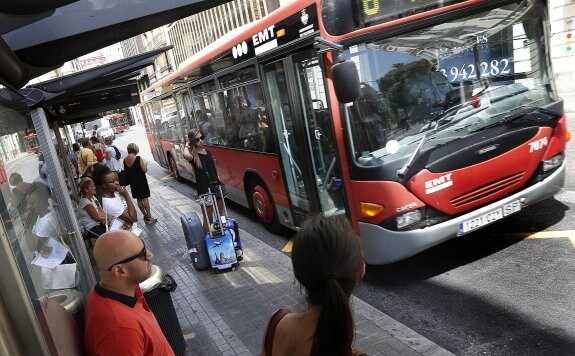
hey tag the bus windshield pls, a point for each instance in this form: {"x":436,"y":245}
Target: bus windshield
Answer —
{"x":438,"y":84}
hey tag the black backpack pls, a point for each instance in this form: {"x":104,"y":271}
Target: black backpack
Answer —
{"x":118,"y":154}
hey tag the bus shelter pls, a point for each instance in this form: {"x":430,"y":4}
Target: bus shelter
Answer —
{"x":37,"y":190}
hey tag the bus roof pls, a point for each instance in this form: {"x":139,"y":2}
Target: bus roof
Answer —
{"x":228,"y":41}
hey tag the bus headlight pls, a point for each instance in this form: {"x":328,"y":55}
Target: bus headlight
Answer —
{"x":553,"y":162}
{"x":411,"y":217}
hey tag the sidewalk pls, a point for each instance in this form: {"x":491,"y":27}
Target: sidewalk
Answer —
{"x":226,"y":314}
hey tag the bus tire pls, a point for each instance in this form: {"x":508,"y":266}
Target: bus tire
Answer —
{"x":174,"y":168}
{"x":263,"y":206}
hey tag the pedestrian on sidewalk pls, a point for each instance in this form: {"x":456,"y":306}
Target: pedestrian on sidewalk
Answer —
{"x":91,"y":216}
{"x":204,"y":170}
{"x":111,"y":155}
{"x":87,"y":158}
{"x":118,"y":206}
{"x":136,"y":169}
{"x":99,"y":170}
{"x":327,"y":262}
{"x":118,"y":318}
{"x":98,"y":147}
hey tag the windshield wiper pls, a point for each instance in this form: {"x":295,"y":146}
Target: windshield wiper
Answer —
{"x":515,"y":114}
{"x":405,"y":168}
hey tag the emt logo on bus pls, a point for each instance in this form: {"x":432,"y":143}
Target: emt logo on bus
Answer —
{"x":265,"y":40}
{"x":436,"y":184}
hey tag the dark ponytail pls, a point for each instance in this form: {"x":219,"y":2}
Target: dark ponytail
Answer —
{"x":327,"y":261}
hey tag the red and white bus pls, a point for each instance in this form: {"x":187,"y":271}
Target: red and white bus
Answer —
{"x":31,"y":142}
{"x":421,"y":120}
{"x":119,"y":122}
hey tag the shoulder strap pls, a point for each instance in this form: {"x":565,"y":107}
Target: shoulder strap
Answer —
{"x":271,"y":330}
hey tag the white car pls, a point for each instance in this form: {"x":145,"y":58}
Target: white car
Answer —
{"x":104,"y":132}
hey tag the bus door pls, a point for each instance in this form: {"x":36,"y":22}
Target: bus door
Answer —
{"x":185,"y":110}
{"x":153,"y":119}
{"x":297,"y":94}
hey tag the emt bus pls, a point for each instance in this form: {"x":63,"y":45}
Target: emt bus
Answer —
{"x":119,"y":122}
{"x":421,"y":120}
{"x":31,"y":142}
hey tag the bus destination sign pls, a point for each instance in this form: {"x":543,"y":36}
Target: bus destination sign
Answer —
{"x":372,"y":12}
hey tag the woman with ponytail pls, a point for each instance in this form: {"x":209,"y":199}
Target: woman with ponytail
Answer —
{"x":327,"y":262}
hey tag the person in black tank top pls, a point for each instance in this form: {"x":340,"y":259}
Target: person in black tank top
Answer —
{"x":136,"y":169}
{"x":204,"y":169}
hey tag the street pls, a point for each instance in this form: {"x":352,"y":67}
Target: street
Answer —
{"x":503,"y":290}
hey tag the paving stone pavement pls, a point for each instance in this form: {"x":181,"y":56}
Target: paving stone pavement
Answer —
{"x":226,"y":313}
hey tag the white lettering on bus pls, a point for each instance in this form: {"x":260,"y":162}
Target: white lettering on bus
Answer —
{"x":264,"y":35}
{"x":538,"y":144}
{"x":436,"y":184}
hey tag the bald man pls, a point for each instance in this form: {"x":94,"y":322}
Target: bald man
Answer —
{"x":118,"y":319}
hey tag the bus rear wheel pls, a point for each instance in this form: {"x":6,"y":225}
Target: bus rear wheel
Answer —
{"x":174,"y":167}
{"x":264,"y":207}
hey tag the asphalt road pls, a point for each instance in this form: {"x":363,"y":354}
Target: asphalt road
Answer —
{"x":498,"y":291}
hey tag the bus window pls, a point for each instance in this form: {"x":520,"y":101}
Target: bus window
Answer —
{"x":248,"y":119}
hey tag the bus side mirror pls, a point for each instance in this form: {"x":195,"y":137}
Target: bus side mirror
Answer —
{"x":345,"y":81}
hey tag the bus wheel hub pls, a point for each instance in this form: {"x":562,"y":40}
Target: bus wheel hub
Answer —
{"x":262,"y":204}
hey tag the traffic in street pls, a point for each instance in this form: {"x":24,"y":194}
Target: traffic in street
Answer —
{"x":503,"y":290}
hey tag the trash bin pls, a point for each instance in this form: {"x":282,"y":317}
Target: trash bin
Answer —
{"x":157,"y":290}
{"x":71,"y":300}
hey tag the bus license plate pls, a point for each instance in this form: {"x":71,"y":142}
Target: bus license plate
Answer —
{"x":492,"y":216}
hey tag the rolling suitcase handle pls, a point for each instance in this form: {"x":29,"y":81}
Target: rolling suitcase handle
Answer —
{"x":216,"y":210}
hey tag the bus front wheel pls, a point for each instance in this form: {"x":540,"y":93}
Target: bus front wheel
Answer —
{"x":264,"y":208}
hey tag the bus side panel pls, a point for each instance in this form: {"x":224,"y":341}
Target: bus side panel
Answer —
{"x":153,"y":146}
{"x":231,"y":165}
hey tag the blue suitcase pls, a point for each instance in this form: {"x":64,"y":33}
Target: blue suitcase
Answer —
{"x":194,"y":234}
{"x":220,"y":239}
{"x":221,"y":251}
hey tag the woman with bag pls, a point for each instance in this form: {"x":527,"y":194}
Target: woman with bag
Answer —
{"x":327,"y":262}
{"x":91,"y":216}
{"x":135,"y":170}
{"x":204,"y":170}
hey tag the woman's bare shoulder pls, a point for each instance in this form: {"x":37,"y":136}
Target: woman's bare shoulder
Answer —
{"x":295,"y":332}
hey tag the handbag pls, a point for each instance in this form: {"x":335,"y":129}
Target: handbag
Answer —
{"x":215,"y":184}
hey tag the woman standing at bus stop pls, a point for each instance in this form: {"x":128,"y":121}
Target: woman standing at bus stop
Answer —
{"x":204,"y":170}
{"x":136,"y":169}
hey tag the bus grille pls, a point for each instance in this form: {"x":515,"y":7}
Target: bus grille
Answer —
{"x":487,"y":190}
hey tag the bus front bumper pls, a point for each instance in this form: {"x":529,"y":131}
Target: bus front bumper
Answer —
{"x":382,"y":246}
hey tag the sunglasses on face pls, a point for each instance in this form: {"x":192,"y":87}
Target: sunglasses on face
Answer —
{"x":198,"y":139}
{"x":143,"y":253}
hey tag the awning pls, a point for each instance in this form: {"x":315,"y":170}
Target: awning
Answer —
{"x":82,"y":96}
{"x":40,"y":35}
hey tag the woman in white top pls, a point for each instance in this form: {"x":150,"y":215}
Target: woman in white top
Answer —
{"x":91,"y":216}
{"x":45,"y":226}
{"x":118,"y":206}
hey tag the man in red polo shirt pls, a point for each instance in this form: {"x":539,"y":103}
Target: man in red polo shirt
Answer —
{"x":118,"y":319}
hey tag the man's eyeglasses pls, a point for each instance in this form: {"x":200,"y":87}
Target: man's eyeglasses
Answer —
{"x":198,"y":139}
{"x":143,"y":253}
